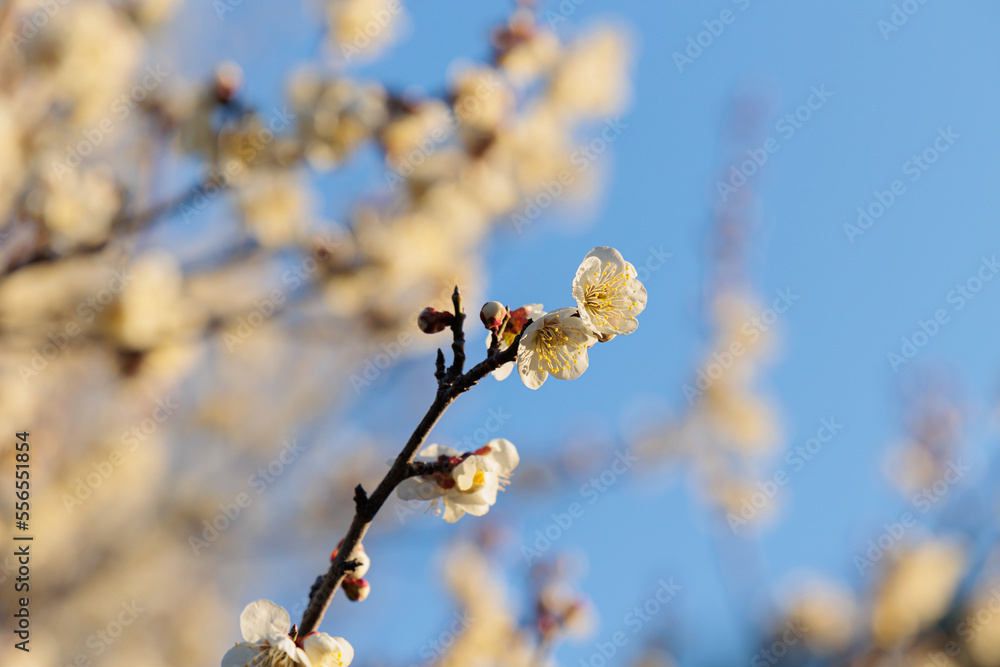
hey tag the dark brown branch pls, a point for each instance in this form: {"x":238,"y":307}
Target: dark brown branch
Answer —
{"x":401,"y":469}
{"x":426,"y":468}
{"x":458,"y":335}
{"x":439,"y":369}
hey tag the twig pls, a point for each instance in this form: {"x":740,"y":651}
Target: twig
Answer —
{"x":402,"y":467}
{"x":458,"y":335}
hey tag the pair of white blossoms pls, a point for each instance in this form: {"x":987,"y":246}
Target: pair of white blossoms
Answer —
{"x":267,"y":643}
{"x":608,"y":297}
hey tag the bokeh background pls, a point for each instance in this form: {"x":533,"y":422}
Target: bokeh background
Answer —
{"x":390,"y":177}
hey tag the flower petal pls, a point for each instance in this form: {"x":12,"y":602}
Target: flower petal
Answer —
{"x":608,"y":293}
{"x":416,"y":488}
{"x":464,"y":473}
{"x":527,"y":367}
{"x":262,"y":620}
{"x":504,"y":371}
{"x":505,"y":454}
{"x":452,"y":512}
{"x":430,"y":453}
{"x":326,"y":651}
{"x":239,"y":655}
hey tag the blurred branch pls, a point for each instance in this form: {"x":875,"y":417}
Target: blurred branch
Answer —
{"x":167,"y":208}
{"x":126,"y":224}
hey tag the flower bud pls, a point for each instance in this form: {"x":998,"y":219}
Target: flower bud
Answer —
{"x":356,"y":589}
{"x":605,"y":337}
{"x":358,"y":554}
{"x":431,"y":320}
{"x":364,"y":562}
{"x":493,"y":315}
{"x":228,"y":81}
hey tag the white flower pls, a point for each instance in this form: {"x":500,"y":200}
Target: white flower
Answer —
{"x":322,"y":650}
{"x":607,"y":292}
{"x":267,"y":644}
{"x":554,"y":345}
{"x":464,"y":485}
{"x":515,"y":325}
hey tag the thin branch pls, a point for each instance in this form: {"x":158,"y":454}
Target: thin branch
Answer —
{"x":401,"y":469}
{"x":125,"y":224}
{"x":458,"y":335}
{"x":439,"y":372}
{"x":424,"y":468}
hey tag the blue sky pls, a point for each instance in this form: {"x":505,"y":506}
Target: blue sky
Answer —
{"x":891,"y":95}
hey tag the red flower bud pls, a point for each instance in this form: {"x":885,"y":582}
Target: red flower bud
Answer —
{"x":431,"y":320}
{"x":493,"y":315}
{"x":356,"y":589}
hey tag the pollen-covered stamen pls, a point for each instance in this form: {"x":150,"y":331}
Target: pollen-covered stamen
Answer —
{"x":273,"y":656}
{"x":608,"y":296}
{"x":556,"y":348}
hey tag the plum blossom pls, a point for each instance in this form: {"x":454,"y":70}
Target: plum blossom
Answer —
{"x":465,"y":483}
{"x":607,"y":292}
{"x":267,"y":643}
{"x":554,"y":345}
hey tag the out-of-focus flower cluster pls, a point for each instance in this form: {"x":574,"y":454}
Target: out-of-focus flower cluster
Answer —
{"x":926,"y":588}
{"x":493,"y":632}
{"x":173,"y":304}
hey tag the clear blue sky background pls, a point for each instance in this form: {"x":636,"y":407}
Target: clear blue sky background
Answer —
{"x":890,"y":97}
